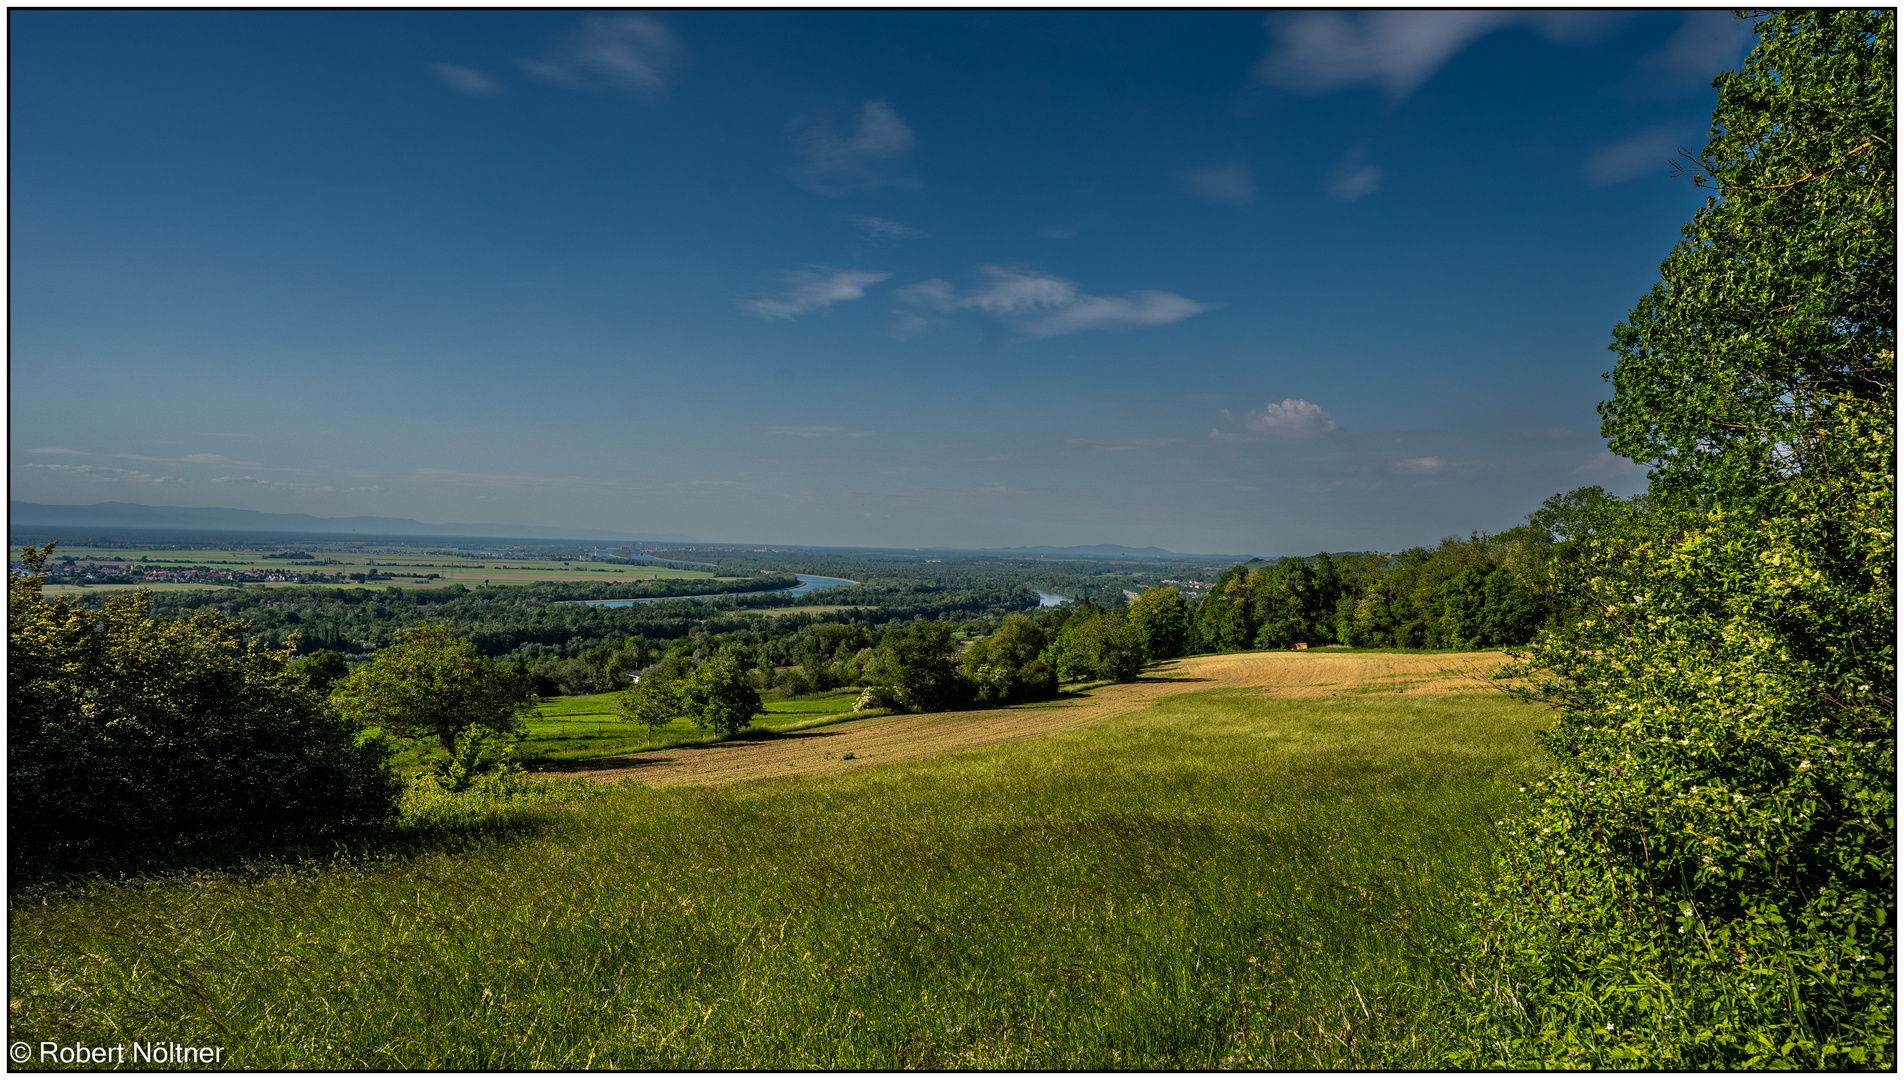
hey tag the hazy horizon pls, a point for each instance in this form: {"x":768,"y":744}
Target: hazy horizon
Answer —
{"x":1207,"y":281}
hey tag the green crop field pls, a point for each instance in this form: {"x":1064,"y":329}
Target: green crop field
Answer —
{"x":1224,"y":880}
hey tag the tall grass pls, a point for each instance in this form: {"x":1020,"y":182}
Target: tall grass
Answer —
{"x":1221,"y":881}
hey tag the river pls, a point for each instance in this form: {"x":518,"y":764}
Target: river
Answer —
{"x":1050,"y":599}
{"x":808,"y":583}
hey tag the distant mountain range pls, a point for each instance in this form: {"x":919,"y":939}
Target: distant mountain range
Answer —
{"x":119,"y":515}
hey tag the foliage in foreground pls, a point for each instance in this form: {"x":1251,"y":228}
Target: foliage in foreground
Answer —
{"x":124,"y":728}
{"x":1170,"y":890}
{"x":1707,"y":877}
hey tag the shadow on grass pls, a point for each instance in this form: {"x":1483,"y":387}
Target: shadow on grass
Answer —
{"x":51,"y":872}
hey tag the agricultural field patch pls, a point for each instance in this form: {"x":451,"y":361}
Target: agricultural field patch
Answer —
{"x":344,"y":566}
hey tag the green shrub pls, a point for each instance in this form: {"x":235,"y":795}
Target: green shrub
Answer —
{"x":1708,"y":876}
{"x":125,"y":729}
{"x":431,"y":801}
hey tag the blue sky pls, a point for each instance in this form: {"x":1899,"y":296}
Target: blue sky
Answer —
{"x":1214,"y":281}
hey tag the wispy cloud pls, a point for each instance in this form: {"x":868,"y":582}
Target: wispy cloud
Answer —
{"x":633,"y":53}
{"x":1291,"y":418}
{"x":1042,"y":305}
{"x":1353,"y":178}
{"x":1421,"y":466}
{"x":1395,"y":50}
{"x":204,"y":458}
{"x":454,"y":476}
{"x":465,"y":80}
{"x":271,"y":485}
{"x":831,"y":163}
{"x":1607,"y":465}
{"x":1114,"y":446}
{"x":1651,"y":151}
{"x":809,"y":290}
{"x":106,"y":473}
{"x":54,"y":450}
{"x":907,"y":325}
{"x":880,"y":228}
{"x":815,"y":431}
{"x":1231,"y":184}
{"x":1707,"y":43}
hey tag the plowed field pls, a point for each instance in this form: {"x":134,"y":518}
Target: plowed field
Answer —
{"x":1314,"y":673}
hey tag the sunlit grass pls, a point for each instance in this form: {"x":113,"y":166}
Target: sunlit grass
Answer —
{"x":580,"y":726}
{"x":1222,"y":880}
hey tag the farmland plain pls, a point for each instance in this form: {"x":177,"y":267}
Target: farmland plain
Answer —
{"x":1226,"y":877}
{"x":399,"y":566}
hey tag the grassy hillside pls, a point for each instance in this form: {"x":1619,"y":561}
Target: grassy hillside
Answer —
{"x":1222,"y":880}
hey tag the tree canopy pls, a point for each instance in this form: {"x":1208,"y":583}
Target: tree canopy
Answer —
{"x":1706,"y":877}
{"x":432,"y":683}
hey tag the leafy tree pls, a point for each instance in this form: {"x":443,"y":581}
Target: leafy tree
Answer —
{"x":1707,"y":876}
{"x":1096,"y":644}
{"x":719,"y":695}
{"x":128,"y":728}
{"x":433,"y":683}
{"x":1007,"y":667}
{"x":652,"y":702}
{"x":919,"y":666}
{"x":1161,"y":622}
{"x":321,"y":669}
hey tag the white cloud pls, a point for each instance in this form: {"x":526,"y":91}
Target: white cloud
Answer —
{"x":808,"y":290}
{"x":1147,"y":307}
{"x":1041,"y":305}
{"x":1707,"y":43}
{"x":1421,"y":466}
{"x":619,"y":52}
{"x":1648,"y":152}
{"x":830,"y":163}
{"x":106,"y":473}
{"x":274,"y":485}
{"x":1395,"y":50}
{"x":465,"y":80}
{"x":203,"y":458}
{"x":1230,"y":184}
{"x":886,"y":229}
{"x":1353,"y":178}
{"x":908,"y":325}
{"x":54,"y":450}
{"x":1292,"y":418}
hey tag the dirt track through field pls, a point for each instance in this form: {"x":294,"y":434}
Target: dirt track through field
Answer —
{"x":1314,"y":673}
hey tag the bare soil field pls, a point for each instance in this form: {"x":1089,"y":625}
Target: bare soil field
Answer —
{"x":1314,"y":673}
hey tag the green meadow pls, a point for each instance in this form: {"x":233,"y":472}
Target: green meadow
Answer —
{"x":1224,"y":880}
{"x":585,"y":725}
